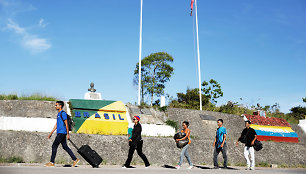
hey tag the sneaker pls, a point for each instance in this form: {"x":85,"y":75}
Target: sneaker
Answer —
{"x":248,"y":168}
{"x":190,"y":167}
{"x":177,"y":167}
{"x":49,"y":164}
{"x":252,"y":168}
{"x":147,"y":166}
{"x":123,"y":166}
{"x":75,"y":162}
{"x":225,"y":167}
{"x":216,"y":167}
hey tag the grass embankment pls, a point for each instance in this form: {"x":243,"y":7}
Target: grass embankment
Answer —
{"x":35,"y":96}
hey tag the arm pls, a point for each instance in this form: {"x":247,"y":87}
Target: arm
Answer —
{"x":54,"y":128}
{"x":187,"y":135}
{"x":254,"y":140}
{"x":215,"y":142}
{"x":135,"y":133}
{"x":66,"y":124}
{"x":224,"y":138}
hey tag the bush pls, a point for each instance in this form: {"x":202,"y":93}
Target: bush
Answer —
{"x":172,"y":124}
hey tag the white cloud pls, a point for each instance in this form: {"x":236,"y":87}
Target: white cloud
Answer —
{"x":12,"y":25}
{"x":30,"y":41}
{"x":42,"y":23}
{"x":35,"y":44}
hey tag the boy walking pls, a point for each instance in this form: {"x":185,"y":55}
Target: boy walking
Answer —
{"x":62,"y":130}
{"x":220,"y":144}
{"x":248,"y":137}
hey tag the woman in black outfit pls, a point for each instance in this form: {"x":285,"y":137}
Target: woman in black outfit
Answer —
{"x":136,"y":143}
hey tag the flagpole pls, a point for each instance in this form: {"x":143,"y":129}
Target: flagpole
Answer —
{"x":198,"y":50}
{"x":140,"y":47}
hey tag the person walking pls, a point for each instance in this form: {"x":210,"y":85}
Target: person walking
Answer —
{"x":62,"y":130}
{"x":220,"y":144}
{"x":135,"y":143}
{"x":248,"y":137}
{"x":184,"y":152}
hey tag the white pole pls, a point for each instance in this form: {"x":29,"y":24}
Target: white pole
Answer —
{"x":198,"y":50}
{"x":140,"y":47}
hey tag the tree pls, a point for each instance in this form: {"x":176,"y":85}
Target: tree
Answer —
{"x":212,"y":90}
{"x":155,"y":72}
{"x":304,"y":99}
{"x":189,"y":100}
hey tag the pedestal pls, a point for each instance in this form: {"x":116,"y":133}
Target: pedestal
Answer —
{"x":93,"y":96}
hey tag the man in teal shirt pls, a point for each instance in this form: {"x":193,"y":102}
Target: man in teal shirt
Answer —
{"x":220,"y":144}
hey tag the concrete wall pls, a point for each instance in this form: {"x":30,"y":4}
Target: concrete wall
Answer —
{"x":28,"y":108}
{"x":35,"y":147}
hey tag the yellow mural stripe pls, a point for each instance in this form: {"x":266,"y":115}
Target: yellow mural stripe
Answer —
{"x":110,"y":126}
{"x":116,"y":106}
{"x":271,"y":128}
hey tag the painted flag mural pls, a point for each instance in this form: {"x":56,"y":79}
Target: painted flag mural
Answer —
{"x":99,"y":117}
{"x":272,"y":129}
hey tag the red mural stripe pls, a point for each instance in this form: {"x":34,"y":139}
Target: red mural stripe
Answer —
{"x":278,"y":139}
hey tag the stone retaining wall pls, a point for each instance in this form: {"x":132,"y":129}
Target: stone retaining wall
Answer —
{"x":35,"y":147}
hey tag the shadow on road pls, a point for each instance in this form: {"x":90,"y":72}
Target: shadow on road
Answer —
{"x":202,"y":167}
{"x":67,"y":165}
{"x":168,"y":166}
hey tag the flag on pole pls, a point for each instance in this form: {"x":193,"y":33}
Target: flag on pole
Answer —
{"x":192,"y":1}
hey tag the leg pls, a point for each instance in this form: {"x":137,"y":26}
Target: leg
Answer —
{"x":130,"y":156}
{"x":252,"y":157}
{"x":187,"y":155}
{"x":246,"y":155}
{"x":142,"y":156}
{"x":182,"y":155}
{"x":224,"y":150}
{"x":55,"y":144}
{"x":67,"y":149}
{"x":216,"y":153}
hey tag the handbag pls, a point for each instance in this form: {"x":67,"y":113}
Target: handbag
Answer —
{"x":182,"y":143}
{"x":257,"y":145}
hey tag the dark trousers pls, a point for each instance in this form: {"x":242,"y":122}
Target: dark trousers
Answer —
{"x":216,"y":153}
{"x":139,"y":151}
{"x":61,"y":139}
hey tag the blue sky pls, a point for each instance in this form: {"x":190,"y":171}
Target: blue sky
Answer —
{"x":256,"y":50}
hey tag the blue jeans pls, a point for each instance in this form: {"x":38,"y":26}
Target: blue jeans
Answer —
{"x":185,"y":153}
{"x":61,"y":139}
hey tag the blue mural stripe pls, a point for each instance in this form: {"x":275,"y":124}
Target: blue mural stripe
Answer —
{"x":276,"y":134}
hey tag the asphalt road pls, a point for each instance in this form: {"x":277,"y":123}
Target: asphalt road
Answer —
{"x":86,"y":169}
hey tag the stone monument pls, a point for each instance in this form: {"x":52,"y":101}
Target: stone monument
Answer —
{"x":92,"y":94}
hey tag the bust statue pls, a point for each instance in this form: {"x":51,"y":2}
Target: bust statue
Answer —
{"x":92,"y":89}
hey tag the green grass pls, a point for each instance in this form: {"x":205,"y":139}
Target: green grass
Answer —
{"x":240,"y":164}
{"x":263,"y":164}
{"x":34,"y":96}
{"x":172,"y":124}
{"x":14,"y":159}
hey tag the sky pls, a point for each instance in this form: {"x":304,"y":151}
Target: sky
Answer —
{"x":256,"y":50}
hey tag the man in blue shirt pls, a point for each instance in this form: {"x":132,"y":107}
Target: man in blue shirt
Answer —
{"x":220,"y":144}
{"x":62,"y":131}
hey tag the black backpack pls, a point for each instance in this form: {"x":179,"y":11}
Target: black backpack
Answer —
{"x":69,"y":121}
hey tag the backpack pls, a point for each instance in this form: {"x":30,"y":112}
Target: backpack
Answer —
{"x":69,"y":121}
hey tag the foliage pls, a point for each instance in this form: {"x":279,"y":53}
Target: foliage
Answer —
{"x":172,"y":124}
{"x":190,"y":100}
{"x":304,"y":99}
{"x":13,"y":159}
{"x":298,"y":112}
{"x":35,"y":96}
{"x":263,"y":164}
{"x":212,"y":90}
{"x":155,"y":72}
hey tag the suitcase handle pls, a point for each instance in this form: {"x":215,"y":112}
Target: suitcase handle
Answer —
{"x":73,"y":144}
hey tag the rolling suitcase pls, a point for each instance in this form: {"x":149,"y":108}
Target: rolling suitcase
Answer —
{"x":91,"y":156}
